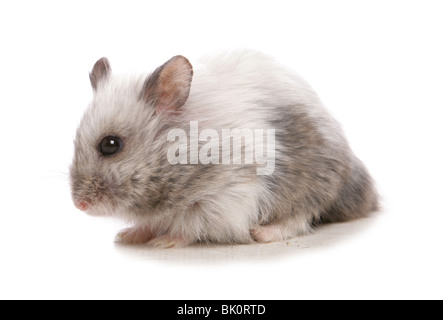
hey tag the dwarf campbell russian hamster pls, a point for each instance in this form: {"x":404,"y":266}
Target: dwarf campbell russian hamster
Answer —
{"x":159,"y":152}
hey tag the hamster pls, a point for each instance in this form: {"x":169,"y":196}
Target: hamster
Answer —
{"x":170,"y":154}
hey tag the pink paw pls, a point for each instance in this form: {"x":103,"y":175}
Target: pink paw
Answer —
{"x":269,"y":233}
{"x":134,"y":235}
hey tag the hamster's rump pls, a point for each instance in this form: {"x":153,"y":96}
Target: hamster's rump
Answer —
{"x":314,"y":174}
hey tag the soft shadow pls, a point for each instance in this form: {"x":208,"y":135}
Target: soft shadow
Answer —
{"x":322,"y":237}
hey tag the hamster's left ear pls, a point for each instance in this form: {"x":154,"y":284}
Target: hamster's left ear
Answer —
{"x":100,"y":72}
{"x":169,"y":85}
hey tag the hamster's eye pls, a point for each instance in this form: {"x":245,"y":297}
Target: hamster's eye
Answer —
{"x":110,"y":145}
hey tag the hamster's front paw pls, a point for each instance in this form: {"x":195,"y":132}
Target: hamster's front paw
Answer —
{"x":167,"y":241}
{"x":134,"y":235}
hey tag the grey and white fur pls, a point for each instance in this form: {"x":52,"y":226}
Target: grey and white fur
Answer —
{"x":316,"y":178}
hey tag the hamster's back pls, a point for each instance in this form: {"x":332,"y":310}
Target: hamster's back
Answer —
{"x":317,"y":176}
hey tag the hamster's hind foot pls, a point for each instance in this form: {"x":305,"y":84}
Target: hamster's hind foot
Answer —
{"x":168,"y":241}
{"x":267,"y":233}
{"x":279,"y":231}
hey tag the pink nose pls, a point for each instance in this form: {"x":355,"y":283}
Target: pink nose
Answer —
{"x":82,"y":205}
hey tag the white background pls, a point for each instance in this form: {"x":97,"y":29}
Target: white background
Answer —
{"x":377,"y":65}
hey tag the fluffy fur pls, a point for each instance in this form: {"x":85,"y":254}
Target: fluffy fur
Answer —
{"x":316,"y":178}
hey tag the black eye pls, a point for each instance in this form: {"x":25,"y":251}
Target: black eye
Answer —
{"x":110,"y":145}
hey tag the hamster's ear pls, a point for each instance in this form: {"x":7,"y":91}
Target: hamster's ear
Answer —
{"x":169,"y":85}
{"x":100,"y":71}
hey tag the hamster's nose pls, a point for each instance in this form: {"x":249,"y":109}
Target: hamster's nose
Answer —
{"x":82,"y":205}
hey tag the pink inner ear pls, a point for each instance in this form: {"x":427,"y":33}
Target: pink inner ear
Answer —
{"x":170,"y":84}
{"x":161,"y":108}
{"x":173,"y":92}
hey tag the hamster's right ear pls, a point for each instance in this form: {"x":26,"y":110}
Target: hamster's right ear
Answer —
{"x":100,"y":72}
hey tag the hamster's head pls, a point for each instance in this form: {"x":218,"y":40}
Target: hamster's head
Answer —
{"x":118,"y":145}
